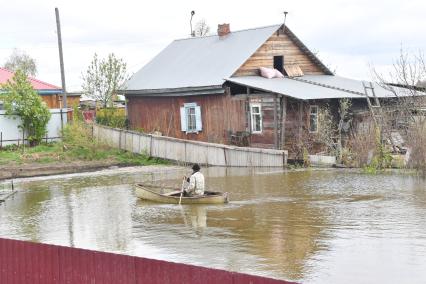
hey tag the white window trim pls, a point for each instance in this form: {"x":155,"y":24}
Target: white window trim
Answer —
{"x":252,"y":120}
{"x":317,"y":118}
{"x":184,"y":115}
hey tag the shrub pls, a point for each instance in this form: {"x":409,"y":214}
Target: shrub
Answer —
{"x":417,"y":147}
{"x":21,"y":100}
{"x":112,"y":117}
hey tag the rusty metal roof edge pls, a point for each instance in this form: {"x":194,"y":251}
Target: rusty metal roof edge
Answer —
{"x":184,"y":91}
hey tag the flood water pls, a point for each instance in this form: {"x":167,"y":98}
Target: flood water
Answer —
{"x":307,"y":226}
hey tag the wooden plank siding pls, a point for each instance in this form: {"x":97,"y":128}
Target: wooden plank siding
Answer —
{"x":278,"y":45}
{"x":55,"y":100}
{"x":219,"y":114}
{"x":222,"y":113}
{"x":266,"y":139}
{"x":297,"y":133}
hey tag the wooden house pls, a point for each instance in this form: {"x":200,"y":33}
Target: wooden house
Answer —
{"x":209,"y":89}
{"x":51,"y":94}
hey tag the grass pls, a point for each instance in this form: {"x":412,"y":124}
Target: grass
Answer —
{"x":77,"y":145}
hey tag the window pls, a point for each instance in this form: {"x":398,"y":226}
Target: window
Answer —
{"x":313,"y":119}
{"x":279,"y":63}
{"x":190,"y":118}
{"x":256,"y":118}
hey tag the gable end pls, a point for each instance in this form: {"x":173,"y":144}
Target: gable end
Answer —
{"x":283,"y":44}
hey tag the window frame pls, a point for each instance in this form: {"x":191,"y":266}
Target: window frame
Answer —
{"x":316,"y":115}
{"x":252,"y":120}
{"x":188,"y":116}
{"x":281,"y":58}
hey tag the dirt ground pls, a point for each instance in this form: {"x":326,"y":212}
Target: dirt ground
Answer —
{"x":31,"y":170}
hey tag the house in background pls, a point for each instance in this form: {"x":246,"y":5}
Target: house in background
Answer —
{"x":209,"y":89}
{"x":50,"y":94}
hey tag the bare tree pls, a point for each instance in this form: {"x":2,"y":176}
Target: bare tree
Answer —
{"x":201,"y":28}
{"x":344,"y":107}
{"x":19,"y":60}
{"x":407,"y":111}
{"x":103,"y":78}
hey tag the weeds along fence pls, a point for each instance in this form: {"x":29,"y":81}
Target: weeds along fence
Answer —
{"x":186,"y":151}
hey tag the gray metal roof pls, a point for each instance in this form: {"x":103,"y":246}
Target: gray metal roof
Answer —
{"x":350,"y":85}
{"x":200,"y":61}
{"x":313,"y":87}
{"x":291,"y":88}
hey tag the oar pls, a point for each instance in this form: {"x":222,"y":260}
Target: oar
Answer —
{"x":181,"y":190}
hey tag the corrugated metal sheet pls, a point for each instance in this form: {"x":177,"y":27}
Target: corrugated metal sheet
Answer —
{"x":350,"y":85}
{"x":39,"y":86}
{"x":292,"y":88}
{"x":200,"y":61}
{"x":314,"y":87}
{"x":24,"y":262}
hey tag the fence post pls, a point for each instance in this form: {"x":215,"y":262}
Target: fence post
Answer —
{"x":150,"y":146}
{"x":119,"y":139}
{"x":186,"y":158}
{"x":1,"y":139}
{"x":62,"y":124}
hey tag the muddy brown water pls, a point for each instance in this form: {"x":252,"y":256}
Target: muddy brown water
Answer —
{"x":307,"y":226}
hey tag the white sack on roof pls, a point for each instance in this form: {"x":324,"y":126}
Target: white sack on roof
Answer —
{"x":270,"y":73}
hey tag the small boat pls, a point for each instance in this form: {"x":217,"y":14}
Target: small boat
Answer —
{"x":147,"y":192}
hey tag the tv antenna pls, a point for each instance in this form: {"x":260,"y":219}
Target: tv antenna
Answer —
{"x":285,"y":17}
{"x":190,"y":23}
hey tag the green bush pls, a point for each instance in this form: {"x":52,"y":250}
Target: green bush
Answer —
{"x":22,"y":100}
{"x":112,"y":117}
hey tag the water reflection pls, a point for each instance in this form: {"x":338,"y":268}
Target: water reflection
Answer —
{"x":313,"y":227}
{"x":198,"y":216}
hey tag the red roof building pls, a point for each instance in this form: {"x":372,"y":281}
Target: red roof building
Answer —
{"x":40,"y":86}
{"x":50,"y":94}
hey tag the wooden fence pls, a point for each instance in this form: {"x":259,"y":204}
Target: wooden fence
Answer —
{"x":26,"y":262}
{"x":188,"y":151}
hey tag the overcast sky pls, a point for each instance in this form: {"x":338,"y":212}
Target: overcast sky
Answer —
{"x":348,"y":35}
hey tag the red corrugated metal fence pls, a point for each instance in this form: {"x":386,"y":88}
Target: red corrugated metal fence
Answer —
{"x":27,"y":262}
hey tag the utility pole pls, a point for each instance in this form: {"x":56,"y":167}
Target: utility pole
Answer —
{"x":61,"y":59}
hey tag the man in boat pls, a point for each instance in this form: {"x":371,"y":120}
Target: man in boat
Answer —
{"x":195,"y":182}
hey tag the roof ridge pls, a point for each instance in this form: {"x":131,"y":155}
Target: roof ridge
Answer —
{"x":243,"y":30}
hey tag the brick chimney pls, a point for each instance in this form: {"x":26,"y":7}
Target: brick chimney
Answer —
{"x":223,"y":30}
